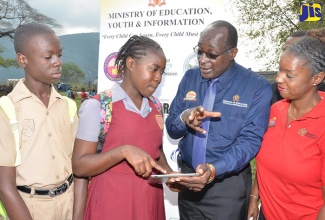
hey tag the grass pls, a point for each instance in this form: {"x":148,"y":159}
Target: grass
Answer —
{"x":77,"y":99}
{"x":253,"y":166}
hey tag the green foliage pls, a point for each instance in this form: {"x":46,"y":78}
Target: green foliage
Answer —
{"x":72,"y":74}
{"x":265,"y":25}
{"x":6,"y":63}
{"x":253,"y":167}
{"x":14,"y":13}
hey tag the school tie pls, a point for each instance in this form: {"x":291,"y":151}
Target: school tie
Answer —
{"x":200,"y":140}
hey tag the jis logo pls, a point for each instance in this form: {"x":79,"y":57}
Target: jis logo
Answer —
{"x":310,"y":12}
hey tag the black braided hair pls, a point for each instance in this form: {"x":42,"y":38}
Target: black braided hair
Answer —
{"x":25,"y":32}
{"x":136,"y":47}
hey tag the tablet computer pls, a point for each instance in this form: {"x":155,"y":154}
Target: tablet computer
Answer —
{"x":163,"y":178}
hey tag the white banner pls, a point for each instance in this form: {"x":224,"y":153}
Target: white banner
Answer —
{"x":176,"y":26}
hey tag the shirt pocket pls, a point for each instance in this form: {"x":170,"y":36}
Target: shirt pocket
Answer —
{"x":230,"y":125}
{"x":190,"y":104}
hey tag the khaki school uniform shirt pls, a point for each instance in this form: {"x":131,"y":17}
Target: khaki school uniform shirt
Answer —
{"x":46,"y":139}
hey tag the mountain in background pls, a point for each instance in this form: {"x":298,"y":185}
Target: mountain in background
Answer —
{"x":81,"y":49}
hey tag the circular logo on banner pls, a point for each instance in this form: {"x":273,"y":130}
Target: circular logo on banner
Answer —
{"x":110,"y":68}
{"x":191,"y":62}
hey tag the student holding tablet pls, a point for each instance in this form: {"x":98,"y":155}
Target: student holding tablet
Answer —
{"x":132,"y":151}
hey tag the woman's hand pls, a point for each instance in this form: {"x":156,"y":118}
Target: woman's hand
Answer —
{"x":253,"y":208}
{"x":141,"y":161}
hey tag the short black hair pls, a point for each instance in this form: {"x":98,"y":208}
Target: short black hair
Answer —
{"x":232,"y":32}
{"x":25,"y":32}
{"x":136,"y":47}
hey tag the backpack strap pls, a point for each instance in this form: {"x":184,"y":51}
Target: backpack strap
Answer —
{"x":72,"y":106}
{"x":3,"y":212}
{"x":158,"y":104}
{"x":9,"y":109}
{"x":106,"y":108}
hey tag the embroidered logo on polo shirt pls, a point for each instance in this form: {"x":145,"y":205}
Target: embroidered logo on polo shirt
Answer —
{"x":272,"y":122}
{"x":160,"y":121}
{"x":236,"y":98}
{"x":303,"y":132}
{"x":235,"y":102}
{"x":190,"y":96}
{"x":28,"y":127}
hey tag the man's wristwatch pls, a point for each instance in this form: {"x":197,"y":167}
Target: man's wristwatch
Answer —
{"x":213,"y":173}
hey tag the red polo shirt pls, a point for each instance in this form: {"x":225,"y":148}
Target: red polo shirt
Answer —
{"x":291,"y":164}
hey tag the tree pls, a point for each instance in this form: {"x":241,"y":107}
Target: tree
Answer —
{"x":71,"y":73}
{"x":6,"y":63}
{"x":264,"y":25}
{"x":14,"y":13}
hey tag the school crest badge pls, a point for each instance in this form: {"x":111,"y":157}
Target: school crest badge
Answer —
{"x":28,"y":127}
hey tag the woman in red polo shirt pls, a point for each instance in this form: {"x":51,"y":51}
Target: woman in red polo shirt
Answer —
{"x":291,"y":161}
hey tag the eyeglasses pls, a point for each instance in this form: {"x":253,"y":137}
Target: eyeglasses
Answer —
{"x":210,"y":56}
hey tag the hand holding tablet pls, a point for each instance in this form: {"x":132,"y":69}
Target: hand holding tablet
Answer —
{"x":163,"y":178}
